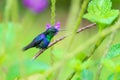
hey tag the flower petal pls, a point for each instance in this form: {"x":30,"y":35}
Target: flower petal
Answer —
{"x":57,"y":25}
{"x":48,"y":25}
{"x":36,"y":6}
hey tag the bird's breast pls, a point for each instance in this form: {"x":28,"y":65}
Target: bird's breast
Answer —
{"x":44,"y":43}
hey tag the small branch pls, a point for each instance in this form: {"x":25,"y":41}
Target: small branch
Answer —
{"x":98,"y":43}
{"x":40,"y":52}
{"x":58,"y":40}
{"x":50,"y":45}
{"x":87,"y":27}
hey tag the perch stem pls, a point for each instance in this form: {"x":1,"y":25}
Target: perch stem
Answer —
{"x":51,"y":44}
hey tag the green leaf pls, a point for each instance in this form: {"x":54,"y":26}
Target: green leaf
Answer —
{"x":114,"y":76}
{"x":111,"y":77}
{"x":100,"y":12}
{"x":86,"y":75}
{"x":28,"y":68}
{"x":114,"y":51}
{"x":100,"y":6}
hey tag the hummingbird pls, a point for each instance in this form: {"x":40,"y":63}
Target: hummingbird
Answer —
{"x":42,"y":40}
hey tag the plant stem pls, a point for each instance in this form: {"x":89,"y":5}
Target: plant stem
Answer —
{"x":7,"y":10}
{"x":86,"y":27}
{"x":71,"y":76}
{"x":74,"y":9}
{"x":83,"y":8}
{"x":104,"y":55}
{"x":14,"y":11}
{"x":53,"y":2}
{"x":98,"y":43}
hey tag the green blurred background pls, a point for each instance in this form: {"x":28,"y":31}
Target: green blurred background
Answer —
{"x":18,"y":26}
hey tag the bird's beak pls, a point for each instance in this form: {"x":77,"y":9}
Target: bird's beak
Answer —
{"x":62,"y":30}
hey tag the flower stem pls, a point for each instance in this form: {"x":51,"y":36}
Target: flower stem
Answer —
{"x":53,"y":2}
{"x":53,"y":15}
{"x":74,"y":9}
{"x":79,"y":20}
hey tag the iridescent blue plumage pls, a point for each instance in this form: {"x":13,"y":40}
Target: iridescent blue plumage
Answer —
{"x":43,"y":39}
{"x":44,"y":42}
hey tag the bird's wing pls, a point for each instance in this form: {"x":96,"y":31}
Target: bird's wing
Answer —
{"x":35,"y":42}
{"x":38,"y":39}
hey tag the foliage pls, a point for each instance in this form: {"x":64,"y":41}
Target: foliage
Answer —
{"x":112,"y":77}
{"x":100,"y":12}
{"x":86,"y":75}
{"x":29,"y":68}
{"x":114,"y":51}
{"x":71,"y":57}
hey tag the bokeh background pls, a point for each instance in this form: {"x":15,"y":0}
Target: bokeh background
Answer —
{"x":19,"y":25}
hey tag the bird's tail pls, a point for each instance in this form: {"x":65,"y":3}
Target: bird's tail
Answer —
{"x":27,"y":47}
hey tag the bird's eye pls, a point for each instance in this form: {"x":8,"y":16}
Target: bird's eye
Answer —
{"x":54,"y":32}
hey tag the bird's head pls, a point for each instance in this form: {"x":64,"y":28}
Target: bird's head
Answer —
{"x":52,"y":30}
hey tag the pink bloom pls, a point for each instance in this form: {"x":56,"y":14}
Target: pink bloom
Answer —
{"x":36,"y":6}
{"x":57,"y":26}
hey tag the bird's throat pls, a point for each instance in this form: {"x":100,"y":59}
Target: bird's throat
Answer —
{"x":49,"y":37}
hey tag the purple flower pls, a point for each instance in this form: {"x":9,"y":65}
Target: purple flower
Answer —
{"x":57,"y":26}
{"x":36,"y":6}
